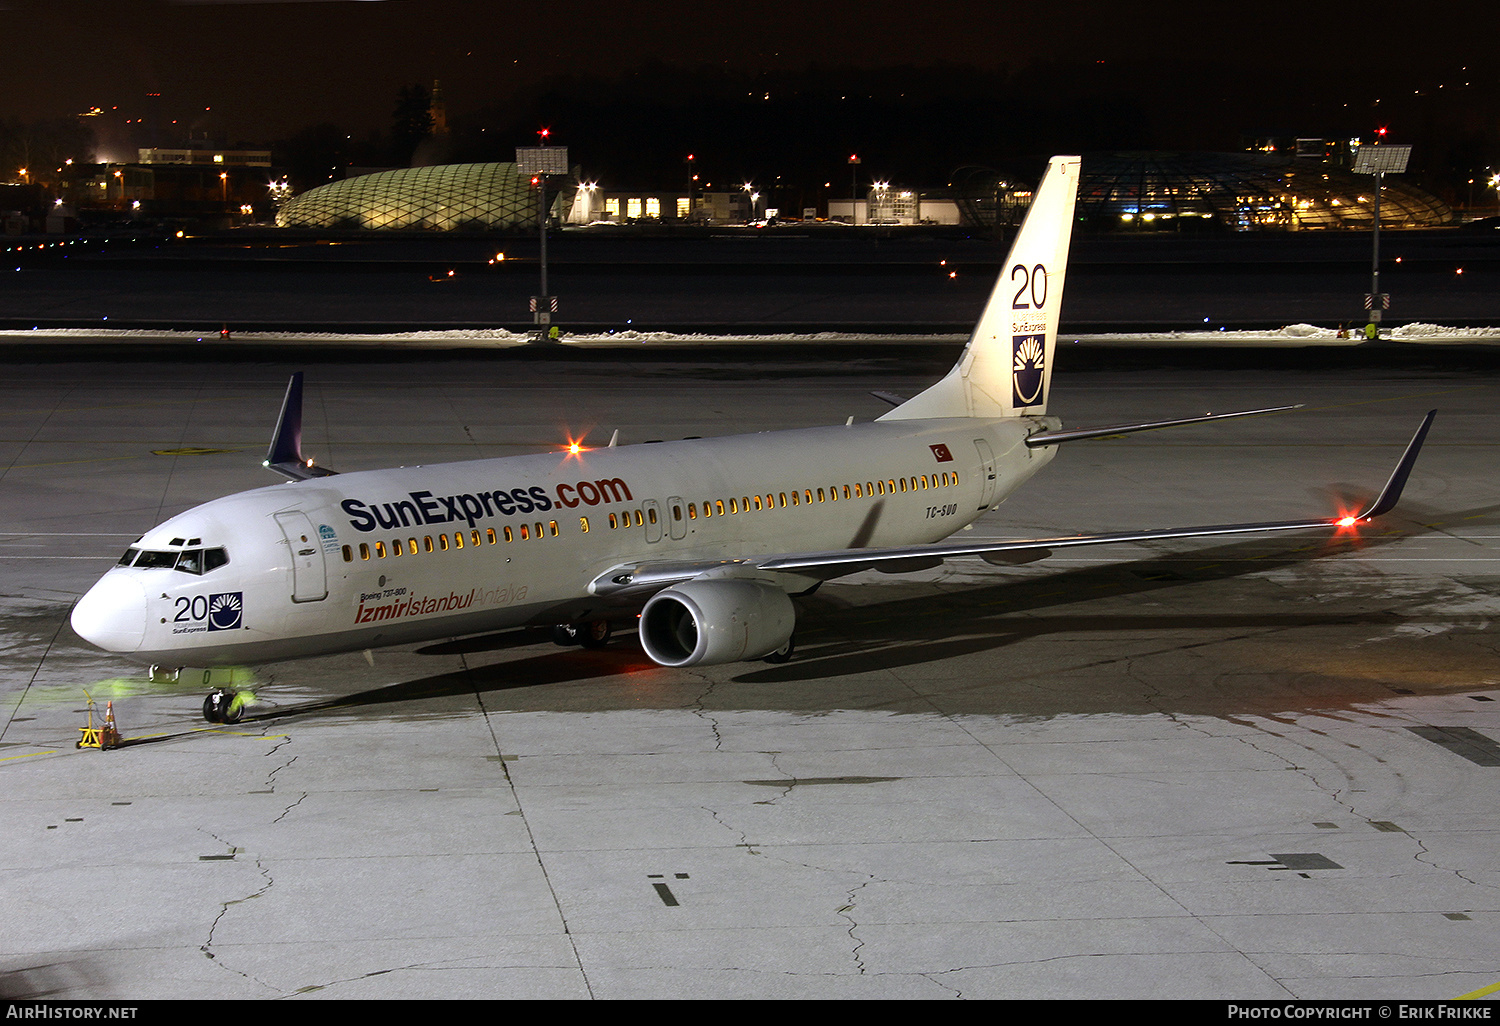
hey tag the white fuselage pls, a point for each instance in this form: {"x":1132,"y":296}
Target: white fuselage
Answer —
{"x":382,"y":557}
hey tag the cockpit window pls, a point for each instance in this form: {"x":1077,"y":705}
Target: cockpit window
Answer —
{"x":189,"y":561}
{"x":149,"y":560}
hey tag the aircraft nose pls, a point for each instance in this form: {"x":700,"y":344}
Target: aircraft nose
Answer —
{"x":112,"y":615}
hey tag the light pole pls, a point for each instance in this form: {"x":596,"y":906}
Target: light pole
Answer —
{"x":1379,"y":161}
{"x":853,"y":186}
{"x":539,"y":162}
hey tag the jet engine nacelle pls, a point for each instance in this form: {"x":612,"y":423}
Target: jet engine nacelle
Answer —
{"x":723,"y":620}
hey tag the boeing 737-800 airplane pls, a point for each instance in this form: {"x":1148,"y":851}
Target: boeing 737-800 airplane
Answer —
{"x":707,"y":539}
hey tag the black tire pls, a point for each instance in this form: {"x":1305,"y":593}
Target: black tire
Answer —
{"x":215,"y":706}
{"x":595,"y":634}
{"x":566,"y":634}
{"x":784,"y":653}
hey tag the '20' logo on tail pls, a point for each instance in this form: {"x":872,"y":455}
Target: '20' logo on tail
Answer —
{"x":1027,"y":374}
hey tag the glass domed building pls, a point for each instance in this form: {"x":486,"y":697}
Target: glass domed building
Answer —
{"x":446,"y":197}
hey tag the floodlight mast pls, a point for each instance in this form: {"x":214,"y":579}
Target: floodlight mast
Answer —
{"x":1379,"y":161}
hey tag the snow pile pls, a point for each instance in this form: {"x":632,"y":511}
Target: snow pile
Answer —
{"x":1290,"y":335}
{"x":1438,"y":333}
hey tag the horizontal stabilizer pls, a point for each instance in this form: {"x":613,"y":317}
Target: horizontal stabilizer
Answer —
{"x":1042,"y":438}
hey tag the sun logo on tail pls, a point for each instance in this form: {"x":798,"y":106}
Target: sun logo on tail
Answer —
{"x":1026,"y":375}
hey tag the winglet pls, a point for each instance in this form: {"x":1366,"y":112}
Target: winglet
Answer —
{"x":1391,"y":494}
{"x":285,"y":455}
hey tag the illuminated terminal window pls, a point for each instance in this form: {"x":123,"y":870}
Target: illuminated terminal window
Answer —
{"x":1242,"y":191}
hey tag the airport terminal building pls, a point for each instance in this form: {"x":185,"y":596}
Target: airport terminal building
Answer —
{"x":1117,"y":192}
{"x":1243,"y":192}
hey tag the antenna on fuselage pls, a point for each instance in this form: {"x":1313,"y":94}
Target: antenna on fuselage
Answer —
{"x":285,"y":455}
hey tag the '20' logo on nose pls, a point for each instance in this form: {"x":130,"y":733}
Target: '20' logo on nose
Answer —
{"x":226,"y":611}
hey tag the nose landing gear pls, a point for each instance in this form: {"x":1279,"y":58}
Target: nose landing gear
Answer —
{"x":223,"y":706}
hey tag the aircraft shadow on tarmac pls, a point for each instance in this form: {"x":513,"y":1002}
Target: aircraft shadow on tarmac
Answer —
{"x":929,"y":627}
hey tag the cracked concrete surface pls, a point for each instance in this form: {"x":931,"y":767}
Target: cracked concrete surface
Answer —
{"x":1060,"y":780}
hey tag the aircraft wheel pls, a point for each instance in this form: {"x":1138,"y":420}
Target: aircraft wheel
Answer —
{"x":784,"y":653}
{"x":595,"y":633}
{"x":221,"y":706}
{"x":566,"y":634}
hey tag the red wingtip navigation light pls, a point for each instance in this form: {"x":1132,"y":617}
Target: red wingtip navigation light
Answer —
{"x":1348,"y":521}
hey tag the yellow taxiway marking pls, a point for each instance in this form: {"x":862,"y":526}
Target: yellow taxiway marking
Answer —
{"x":1481,"y":992}
{"x":27,"y":755}
{"x":126,"y":742}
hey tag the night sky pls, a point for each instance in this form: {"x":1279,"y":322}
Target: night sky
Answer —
{"x":1186,"y":74}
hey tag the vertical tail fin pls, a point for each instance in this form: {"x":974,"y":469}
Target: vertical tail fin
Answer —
{"x":1006,"y":369}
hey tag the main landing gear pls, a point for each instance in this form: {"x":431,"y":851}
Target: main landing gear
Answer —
{"x":784,"y":653}
{"x":590,"y":633}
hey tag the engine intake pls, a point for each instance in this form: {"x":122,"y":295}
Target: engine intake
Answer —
{"x":716,"y":621}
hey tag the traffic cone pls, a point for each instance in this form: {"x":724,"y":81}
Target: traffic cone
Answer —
{"x":109,"y":735}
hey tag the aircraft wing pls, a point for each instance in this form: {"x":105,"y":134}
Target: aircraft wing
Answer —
{"x":652,"y":576}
